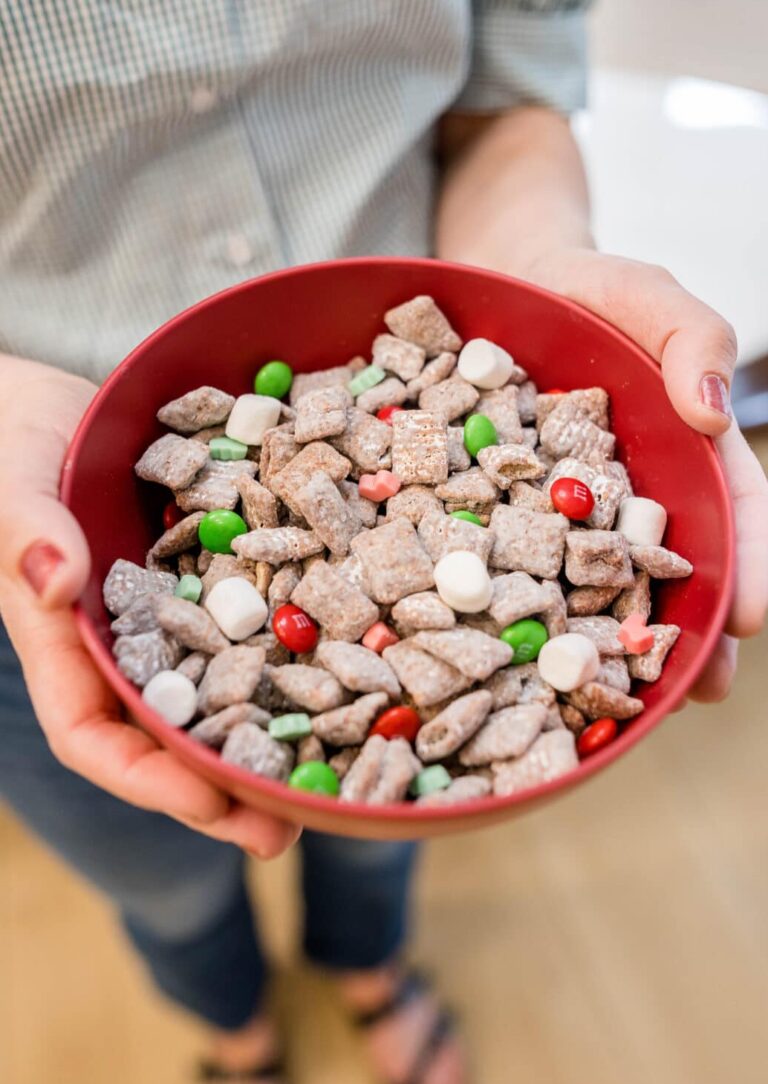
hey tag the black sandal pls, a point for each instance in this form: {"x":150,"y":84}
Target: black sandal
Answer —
{"x":267,"y":1073}
{"x":413,"y":986}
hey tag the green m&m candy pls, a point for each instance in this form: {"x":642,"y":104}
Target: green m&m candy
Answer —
{"x":274,"y":379}
{"x":218,"y":528}
{"x":479,"y":432}
{"x":526,"y":638}
{"x":470,"y":517}
{"x":316,"y":777}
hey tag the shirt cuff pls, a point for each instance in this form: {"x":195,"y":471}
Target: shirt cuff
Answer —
{"x":526,"y":57}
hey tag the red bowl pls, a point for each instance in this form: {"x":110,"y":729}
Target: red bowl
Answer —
{"x":321,"y":315}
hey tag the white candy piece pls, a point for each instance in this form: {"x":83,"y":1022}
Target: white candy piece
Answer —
{"x":251,"y":417}
{"x":463,"y":582}
{"x":485,"y":364}
{"x":642,"y":521}
{"x":237,"y":607}
{"x":566,"y":662}
{"x":171,"y":695}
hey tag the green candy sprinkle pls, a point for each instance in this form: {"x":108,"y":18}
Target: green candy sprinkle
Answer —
{"x":218,"y":528}
{"x":526,"y":638}
{"x":365,"y":379}
{"x":433,"y":778}
{"x":316,"y":777}
{"x":274,"y":379}
{"x":227,"y":448}
{"x":290,"y":727}
{"x":479,"y":432}
{"x":470,"y":517}
{"x":189,"y":588}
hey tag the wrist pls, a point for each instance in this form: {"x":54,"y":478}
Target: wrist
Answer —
{"x":516,"y":198}
{"x":557,"y":267}
{"x":546,"y":259}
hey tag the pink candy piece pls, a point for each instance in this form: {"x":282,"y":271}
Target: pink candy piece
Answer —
{"x":634,"y":634}
{"x":379,"y":636}
{"x":379,"y":486}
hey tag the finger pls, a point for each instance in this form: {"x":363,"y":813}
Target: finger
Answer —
{"x":81,"y":719}
{"x":695,"y":347}
{"x":692,"y":344}
{"x":697,"y":364}
{"x":714,"y":683}
{"x":258,"y":833}
{"x":749,"y":491}
{"x":41,"y":541}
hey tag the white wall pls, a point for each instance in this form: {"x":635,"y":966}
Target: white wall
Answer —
{"x":684,"y":187}
{"x":716,"y":39}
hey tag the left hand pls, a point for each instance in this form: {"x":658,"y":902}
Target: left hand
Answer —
{"x":696,"y":350}
{"x":44,"y":565}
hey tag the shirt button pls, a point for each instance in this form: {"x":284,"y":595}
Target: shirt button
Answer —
{"x":239,"y":251}
{"x":202,"y":99}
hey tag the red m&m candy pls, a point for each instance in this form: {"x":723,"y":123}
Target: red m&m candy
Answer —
{"x":385,"y":414}
{"x":399,"y":722}
{"x":172,"y":515}
{"x":572,"y":498}
{"x":294,"y":629}
{"x":596,"y":736}
{"x":554,"y":391}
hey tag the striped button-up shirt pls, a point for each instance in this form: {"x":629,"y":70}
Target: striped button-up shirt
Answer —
{"x":155,"y":151}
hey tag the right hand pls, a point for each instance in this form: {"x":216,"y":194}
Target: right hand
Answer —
{"x":44,"y":565}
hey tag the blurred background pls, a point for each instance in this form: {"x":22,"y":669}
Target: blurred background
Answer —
{"x":618,"y":935}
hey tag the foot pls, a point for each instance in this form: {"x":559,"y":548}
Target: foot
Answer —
{"x":414,"y":1042}
{"x":248,"y":1054}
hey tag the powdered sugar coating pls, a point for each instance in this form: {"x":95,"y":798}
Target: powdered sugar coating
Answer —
{"x":357,"y":565}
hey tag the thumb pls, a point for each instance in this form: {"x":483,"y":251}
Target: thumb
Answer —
{"x":41,"y":542}
{"x":46,"y":546}
{"x":697,"y":361}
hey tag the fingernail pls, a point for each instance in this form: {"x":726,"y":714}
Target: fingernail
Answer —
{"x":714,"y":394}
{"x":38,"y":564}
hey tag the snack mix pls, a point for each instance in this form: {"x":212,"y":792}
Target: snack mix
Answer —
{"x":416,"y":579}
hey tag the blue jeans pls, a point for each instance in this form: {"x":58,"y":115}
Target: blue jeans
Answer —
{"x":182,"y":896}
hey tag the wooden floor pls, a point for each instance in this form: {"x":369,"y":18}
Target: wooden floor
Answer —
{"x":617,"y":937}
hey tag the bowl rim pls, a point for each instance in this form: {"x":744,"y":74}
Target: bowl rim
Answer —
{"x":178,"y":740}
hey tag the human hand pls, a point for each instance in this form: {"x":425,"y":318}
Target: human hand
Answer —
{"x":514,"y":199}
{"x":696,"y":350}
{"x":44,"y":565}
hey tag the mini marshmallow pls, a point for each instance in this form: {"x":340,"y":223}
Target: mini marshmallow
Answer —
{"x":463,"y":582}
{"x":171,"y":695}
{"x":642,"y":521}
{"x":237,"y":607}
{"x":251,"y":417}
{"x":485,"y":364}
{"x":566,"y":662}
